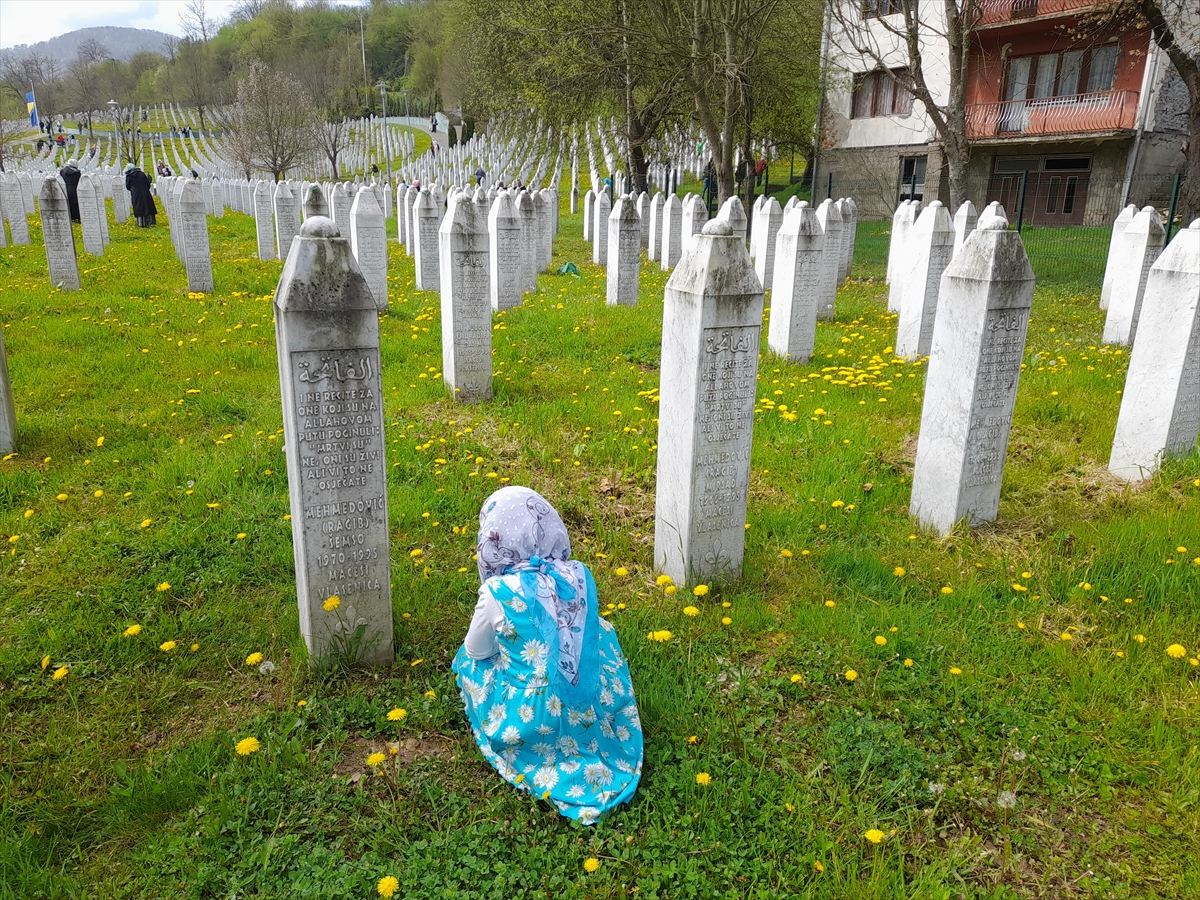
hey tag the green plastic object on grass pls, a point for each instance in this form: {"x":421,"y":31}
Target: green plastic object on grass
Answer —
{"x":570,"y":269}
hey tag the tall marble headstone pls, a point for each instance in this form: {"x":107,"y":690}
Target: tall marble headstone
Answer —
{"x":734,"y":213}
{"x":589,"y":213}
{"x":410,"y":198}
{"x":12,"y":196}
{"x":931,"y":243}
{"x":654,"y":235}
{"x":672,"y":233}
{"x":830,"y":218}
{"x":58,"y":236}
{"x":770,"y":219}
{"x":287,"y":217}
{"x":315,"y":201}
{"x":90,"y":208}
{"x":694,"y":216}
{"x":426,"y":218}
{"x":971,"y":387}
{"x":1134,"y":253}
{"x":964,"y":223}
{"x":197,"y":257}
{"x":327,"y":337}
{"x":527,"y":215}
{"x":799,"y":261}
{"x":339,"y":207}
{"x":368,"y":243}
{"x":8,"y":412}
{"x":505,"y":281}
{"x":264,"y":230}
{"x":1111,"y":265}
{"x":849,"y":236}
{"x":712,"y":322}
{"x":544,"y":203}
{"x":466,"y":304}
{"x":1160,"y":406}
{"x":601,"y":209}
{"x":642,"y":205}
{"x":624,"y":253}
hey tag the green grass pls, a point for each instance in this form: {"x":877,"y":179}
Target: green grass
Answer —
{"x":120,"y":781}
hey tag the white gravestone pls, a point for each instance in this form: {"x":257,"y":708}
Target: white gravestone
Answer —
{"x":287,"y":218}
{"x":964,"y":223}
{"x":426,"y":218}
{"x":327,"y":337}
{"x":971,"y":386}
{"x":466,"y":307}
{"x":218,"y":195}
{"x":120,"y":200}
{"x":8,"y":412}
{"x":931,"y":243}
{"x":89,"y":216}
{"x":196,"y":257}
{"x":694,"y":217}
{"x":1160,"y":406}
{"x":527,"y":215}
{"x":756,"y":226}
{"x":770,"y":221}
{"x":654,"y":235}
{"x":264,"y":226}
{"x":1135,"y":252}
{"x":589,"y":213}
{"x":505,"y":276}
{"x":894,"y":240}
{"x":410,"y":199}
{"x":672,"y":233}
{"x":849,"y":235}
{"x":368,"y":242}
{"x":643,"y":211}
{"x":1110,"y":266}
{"x":339,"y":205}
{"x":734,"y":213}
{"x":624,"y":253}
{"x":543,"y":207}
{"x":58,"y":236}
{"x":799,"y":259}
{"x":899,"y":260}
{"x":831,"y":224}
{"x":712,"y":322}
{"x":601,"y":209}
{"x":12,"y":196}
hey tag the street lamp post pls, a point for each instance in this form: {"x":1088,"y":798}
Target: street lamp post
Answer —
{"x":406,"y":116}
{"x":387,"y":144}
{"x":112,"y":107}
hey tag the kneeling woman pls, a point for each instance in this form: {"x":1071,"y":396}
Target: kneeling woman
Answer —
{"x":544,"y":683}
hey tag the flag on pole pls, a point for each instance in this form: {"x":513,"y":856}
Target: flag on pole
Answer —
{"x":31,"y":107}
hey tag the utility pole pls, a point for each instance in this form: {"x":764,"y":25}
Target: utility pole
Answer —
{"x":362,"y":38}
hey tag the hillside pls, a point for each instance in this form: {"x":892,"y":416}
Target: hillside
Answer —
{"x":122,"y":43}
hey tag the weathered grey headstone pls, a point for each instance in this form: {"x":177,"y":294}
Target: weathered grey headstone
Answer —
{"x":589,"y":213}
{"x":315,"y":201}
{"x":799,"y":262}
{"x":218,"y":197}
{"x":543,"y":207}
{"x":1110,"y":266}
{"x":327,"y":336}
{"x":971,"y":386}
{"x":601,"y":209}
{"x":672,"y":233}
{"x":426,"y":218}
{"x":624,"y":253}
{"x":120,"y":200}
{"x":8,"y":412}
{"x":654,"y":236}
{"x":931,"y":243}
{"x":505,"y":277}
{"x":12,"y":196}
{"x":770,"y":220}
{"x":264,"y":225}
{"x":756,"y":226}
{"x":466,"y":306}
{"x":89,"y":216}
{"x":694,"y":217}
{"x":831,"y":224}
{"x":734,"y":213}
{"x":1160,"y":405}
{"x":642,"y":205}
{"x":58,"y":236}
{"x":368,"y":243}
{"x":287,"y":217}
{"x":964,"y":223}
{"x":339,"y":207}
{"x":527,"y":215}
{"x":849,"y":236}
{"x":712,"y":322}
{"x":410,"y":199}
{"x":1133,"y":254}
{"x":197,"y":257}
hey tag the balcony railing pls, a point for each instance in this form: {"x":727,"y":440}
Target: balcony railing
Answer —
{"x":997,"y":12}
{"x":1075,"y":114}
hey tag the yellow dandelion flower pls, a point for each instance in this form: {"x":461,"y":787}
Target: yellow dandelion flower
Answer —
{"x":622,"y":571}
{"x":669,"y":589}
{"x":591,"y":864}
{"x":817,"y":866}
{"x":300,"y":704}
{"x":693,"y":739}
{"x":899,"y":571}
{"x":703,"y":779}
{"x":133,"y":631}
{"x":1176,"y":651}
{"x":97,"y":494}
{"x":851,"y":675}
{"x":146,"y":523}
{"x":332,"y":603}
{"x":60,"y":497}
{"x":880,"y":640}
{"x":194,"y":647}
{"x":375,"y":759}
{"x":397,"y":714}
{"x":415,"y":553}
{"x":947,"y":590}
{"x":796,"y":679}
{"x":874,"y":835}
{"x":166,"y":646}
{"x":691,"y":611}
{"x":430,"y":695}
{"x":955,"y":670}
{"x":247,"y":745}
{"x":60,"y":673}
{"x":663,"y":580}
{"x":1140,"y":638}
{"x":700,"y":590}
{"x":908,"y":664}
{"x":726,"y":620}
{"x":785,"y":553}
{"x":45,"y":662}
{"x":163,"y":587}
{"x":830,"y":604}
{"x":100,"y":441}
{"x":1065,"y":636}
{"x":241,"y":536}
{"x":254,"y":658}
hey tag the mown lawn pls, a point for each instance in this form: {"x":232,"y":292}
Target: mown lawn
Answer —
{"x":1041,"y":743}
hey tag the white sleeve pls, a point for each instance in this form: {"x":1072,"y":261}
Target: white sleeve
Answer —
{"x":481,"y":641}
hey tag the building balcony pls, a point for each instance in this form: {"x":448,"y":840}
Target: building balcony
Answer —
{"x":1098,"y":112}
{"x":1004,"y":12}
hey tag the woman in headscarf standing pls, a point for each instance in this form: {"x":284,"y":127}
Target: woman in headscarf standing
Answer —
{"x":70,"y":175}
{"x":544,"y":683}
{"x":138,"y":185}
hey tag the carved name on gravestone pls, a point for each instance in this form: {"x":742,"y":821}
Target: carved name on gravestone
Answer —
{"x":1111,"y":264}
{"x":971,"y":388}
{"x":1160,"y":405}
{"x":830,"y":218}
{"x":197,"y":257}
{"x":624,"y":254}
{"x":368,"y":242}
{"x":528,"y":219}
{"x":672,"y":233}
{"x":339,"y":206}
{"x":505,"y":278}
{"x":57,"y":234}
{"x":11,"y":194}
{"x":1134,"y":253}
{"x":120,"y":200}
{"x":264,"y":225}
{"x":931,"y":243}
{"x":770,"y":220}
{"x":466,"y":306}
{"x":544,"y":203}
{"x":712,"y":321}
{"x":287,"y":218}
{"x":327,"y":335}
{"x":799,"y":258}
{"x":426,"y":219}
{"x":89,"y":216}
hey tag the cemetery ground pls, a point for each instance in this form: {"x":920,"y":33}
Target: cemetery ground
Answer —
{"x":872,"y":712}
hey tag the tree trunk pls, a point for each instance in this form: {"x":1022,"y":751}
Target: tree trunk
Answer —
{"x":1190,"y":195}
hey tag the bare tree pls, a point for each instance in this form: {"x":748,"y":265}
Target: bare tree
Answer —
{"x":274,"y":120}
{"x":9,"y":131}
{"x":86,"y":87}
{"x":37,"y":73}
{"x":170,"y":46}
{"x":92,"y":51}
{"x":195,"y":77}
{"x":196,"y":22}
{"x":247,"y":10}
{"x":896,"y":37}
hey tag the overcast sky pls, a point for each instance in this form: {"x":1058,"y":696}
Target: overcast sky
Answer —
{"x":30,"y":21}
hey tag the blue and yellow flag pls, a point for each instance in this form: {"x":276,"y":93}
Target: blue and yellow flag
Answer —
{"x":31,"y":106}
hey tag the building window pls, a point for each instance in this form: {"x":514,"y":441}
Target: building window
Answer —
{"x":912,"y":177}
{"x":1065,"y":74}
{"x":877,"y":9}
{"x":879,"y":94}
